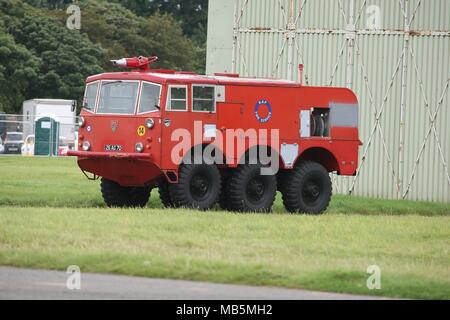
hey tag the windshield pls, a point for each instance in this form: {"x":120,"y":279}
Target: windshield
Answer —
{"x":14,"y":137}
{"x":118,"y":97}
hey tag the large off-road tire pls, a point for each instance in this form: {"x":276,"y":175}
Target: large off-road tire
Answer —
{"x":307,"y":189}
{"x":198,"y":186}
{"x":249,"y":191}
{"x":164,"y":194}
{"x":281,"y":179}
{"x":116,"y":195}
{"x":223,"y":198}
{"x":138,"y":196}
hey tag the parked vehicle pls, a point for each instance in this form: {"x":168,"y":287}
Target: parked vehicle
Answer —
{"x":63,"y":147}
{"x":2,"y":125}
{"x":201,"y":139}
{"x":28,"y":146}
{"x":13,"y":143}
{"x":2,"y":148}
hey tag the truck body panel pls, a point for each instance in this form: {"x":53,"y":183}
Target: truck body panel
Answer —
{"x":239,"y":104}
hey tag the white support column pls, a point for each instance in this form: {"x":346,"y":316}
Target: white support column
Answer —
{"x":235,"y":36}
{"x":401,"y":148}
{"x":350,"y":35}
{"x":290,"y":34}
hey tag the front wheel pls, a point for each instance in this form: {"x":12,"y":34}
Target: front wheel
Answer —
{"x":307,"y":189}
{"x":116,"y":195}
{"x":164,"y":194}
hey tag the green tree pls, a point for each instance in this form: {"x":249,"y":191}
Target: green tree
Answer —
{"x":193,"y":14}
{"x":119,"y":27}
{"x":40,"y":57}
{"x":50,"y":4}
{"x":124,"y":34}
{"x":19,"y":70}
{"x":58,"y":59}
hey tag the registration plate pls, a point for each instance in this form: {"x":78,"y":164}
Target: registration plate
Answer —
{"x":113,"y":147}
{"x":13,"y":149}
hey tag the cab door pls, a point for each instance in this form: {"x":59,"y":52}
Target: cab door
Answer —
{"x":174,"y":122}
{"x":148,"y":121}
{"x":189,"y":119}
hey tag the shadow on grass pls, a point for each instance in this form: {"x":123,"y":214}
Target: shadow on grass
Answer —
{"x":340,"y":204}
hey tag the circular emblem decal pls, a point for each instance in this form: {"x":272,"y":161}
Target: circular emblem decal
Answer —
{"x":141,"y":131}
{"x":261,"y":116}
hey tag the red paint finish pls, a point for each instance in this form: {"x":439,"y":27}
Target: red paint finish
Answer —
{"x":127,"y":172}
{"x":280,"y":103}
{"x":343,"y":133}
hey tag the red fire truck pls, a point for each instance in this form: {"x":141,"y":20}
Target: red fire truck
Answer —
{"x":221,"y":139}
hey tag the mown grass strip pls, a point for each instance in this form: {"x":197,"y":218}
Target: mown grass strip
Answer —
{"x":329,"y":253}
{"x":57,"y":182}
{"x":52,"y":217}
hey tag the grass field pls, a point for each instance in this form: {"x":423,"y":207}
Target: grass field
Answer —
{"x":52,"y":217}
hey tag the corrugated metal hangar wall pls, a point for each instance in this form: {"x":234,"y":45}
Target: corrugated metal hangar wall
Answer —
{"x":395,"y":54}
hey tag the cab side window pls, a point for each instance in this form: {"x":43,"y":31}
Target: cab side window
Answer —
{"x":177,"y":99}
{"x":90,"y":96}
{"x":203,"y":98}
{"x":150,"y":95}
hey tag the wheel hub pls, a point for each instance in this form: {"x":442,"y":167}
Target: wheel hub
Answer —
{"x":255,"y":189}
{"x":199,"y":187}
{"x":311,"y":191}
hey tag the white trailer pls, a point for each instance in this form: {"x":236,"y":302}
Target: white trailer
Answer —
{"x":63,"y":110}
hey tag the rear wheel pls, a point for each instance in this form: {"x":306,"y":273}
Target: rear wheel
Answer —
{"x":198,"y":186}
{"x":116,"y":195}
{"x":223,"y":198}
{"x":307,"y":189}
{"x":281,"y":179}
{"x":249,"y":191}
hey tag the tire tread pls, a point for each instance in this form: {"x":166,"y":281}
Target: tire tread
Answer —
{"x":291,"y":188}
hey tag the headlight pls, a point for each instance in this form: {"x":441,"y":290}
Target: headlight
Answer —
{"x":139,"y":147}
{"x":81,"y":122}
{"x":86,"y":146}
{"x":150,"y":123}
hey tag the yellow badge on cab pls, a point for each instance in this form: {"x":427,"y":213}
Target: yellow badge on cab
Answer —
{"x":141,"y":131}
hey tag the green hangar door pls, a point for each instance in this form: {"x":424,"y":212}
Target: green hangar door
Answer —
{"x":47,"y":137}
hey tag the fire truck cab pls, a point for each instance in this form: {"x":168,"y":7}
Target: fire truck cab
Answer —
{"x":208,"y":139}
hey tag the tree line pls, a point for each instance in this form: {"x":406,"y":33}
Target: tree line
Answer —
{"x":41,"y":58}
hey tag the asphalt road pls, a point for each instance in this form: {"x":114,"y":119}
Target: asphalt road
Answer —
{"x":47,"y":285}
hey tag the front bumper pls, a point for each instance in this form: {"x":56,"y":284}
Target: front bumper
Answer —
{"x":127,"y":169}
{"x":108,"y":155}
